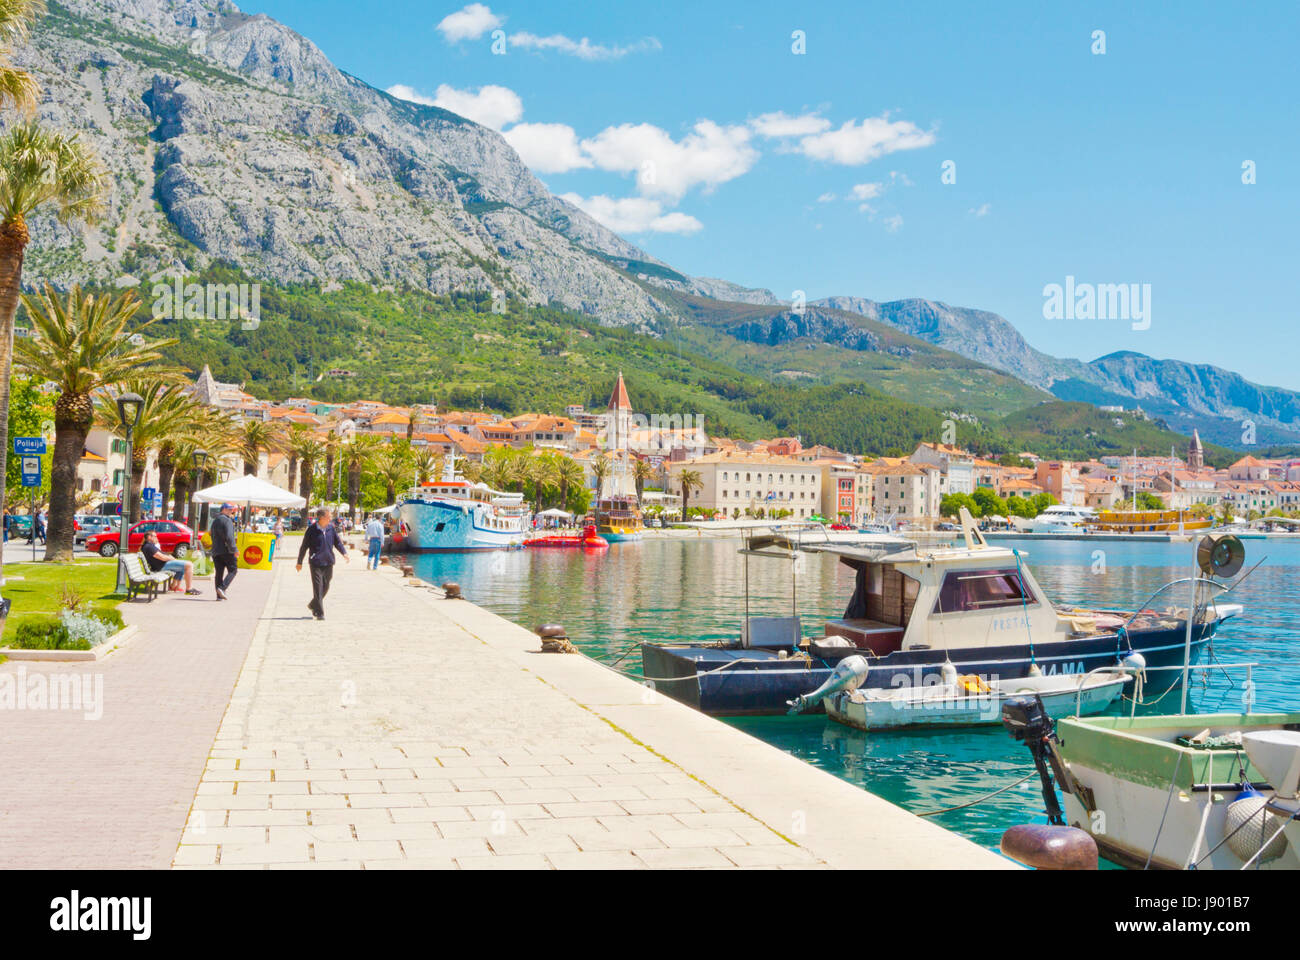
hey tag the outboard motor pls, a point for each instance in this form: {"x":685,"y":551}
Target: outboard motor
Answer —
{"x":1026,"y":720}
{"x":848,"y":675}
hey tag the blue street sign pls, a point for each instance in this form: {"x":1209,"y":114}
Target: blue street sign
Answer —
{"x":148,"y":494}
{"x":25,"y":445}
{"x":31,"y":471}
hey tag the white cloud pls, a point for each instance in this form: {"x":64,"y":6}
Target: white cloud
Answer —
{"x":469,"y":23}
{"x":857,"y":143}
{"x":904,"y":179}
{"x":709,"y":156}
{"x":981,"y":211}
{"x":547,"y":147}
{"x":634,"y":215}
{"x":867,"y":191}
{"x":584,"y":49}
{"x":827,"y":198}
{"x":779,"y":124}
{"x":402,"y":92}
{"x":892,"y":224}
{"x":491,"y":106}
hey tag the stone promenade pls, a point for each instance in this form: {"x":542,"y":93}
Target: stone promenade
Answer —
{"x":411,"y":731}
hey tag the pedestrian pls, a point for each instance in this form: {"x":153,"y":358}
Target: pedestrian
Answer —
{"x":38,"y":525}
{"x":160,"y":562}
{"x":9,"y":519}
{"x":225,"y":559}
{"x":375,"y":536}
{"x":321,"y":540}
{"x":278,"y":530}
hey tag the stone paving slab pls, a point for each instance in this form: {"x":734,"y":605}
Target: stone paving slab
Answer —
{"x":411,"y":731}
{"x":114,"y":792}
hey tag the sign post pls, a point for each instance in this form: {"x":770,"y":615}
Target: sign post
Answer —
{"x":31,"y":471}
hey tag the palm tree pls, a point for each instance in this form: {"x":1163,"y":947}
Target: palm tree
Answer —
{"x":569,"y":475}
{"x":601,"y":468}
{"x":37,"y":167}
{"x":690,"y":480}
{"x":81,"y":344}
{"x":331,"y":444}
{"x":427,"y":464}
{"x":358,"y":453}
{"x":17,"y":87}
{"x":310,"y":454}
{"x":295,"y":437}
{"x":394,"y":465}
{"x":256,"y":436}
{"x":165,"y":414}
{"x":641,"y":472}
{"x":545,"y":477}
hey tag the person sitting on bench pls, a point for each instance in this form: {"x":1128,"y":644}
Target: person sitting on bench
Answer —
{"x":160,"y":562}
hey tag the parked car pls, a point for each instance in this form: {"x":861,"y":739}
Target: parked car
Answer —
{"x":175,"y":538}
{"x":20,"y":526}
{"x":89,"y":524}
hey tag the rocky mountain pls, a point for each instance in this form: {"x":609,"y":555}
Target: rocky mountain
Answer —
{"x":1218,"y":402}
{"x":230,"y":137}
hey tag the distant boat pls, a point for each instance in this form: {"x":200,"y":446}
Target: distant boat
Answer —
{"x":618,"y":519}
{"x":452,"y":515}
{"x":1148,"y":521}
{"x":1060,"y":518}
{"x":587,"y":540}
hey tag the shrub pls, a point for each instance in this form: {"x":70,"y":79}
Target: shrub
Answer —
{"x":45,"y":633}
{"x":82,"y":628}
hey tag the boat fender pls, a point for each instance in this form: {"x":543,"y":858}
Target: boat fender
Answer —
{"x":1247,"y":826}
{"x":848,"y":674}
{"x":1046,"y":847}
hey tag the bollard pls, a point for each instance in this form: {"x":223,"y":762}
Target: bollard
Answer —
{"x":555,"y":639}
{"x":1046,"y":847}
{"x":451,"y":591}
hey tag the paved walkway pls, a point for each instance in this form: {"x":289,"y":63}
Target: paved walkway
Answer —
{"x":114,"y":792}
{"x":409,"y":731}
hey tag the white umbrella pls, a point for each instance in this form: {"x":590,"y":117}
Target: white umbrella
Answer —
{"x":249,"y":491}
{"x":555,"y":513}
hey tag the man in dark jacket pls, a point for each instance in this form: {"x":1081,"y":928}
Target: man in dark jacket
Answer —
{"x":321,"y":540}
{"x":225,"y":554}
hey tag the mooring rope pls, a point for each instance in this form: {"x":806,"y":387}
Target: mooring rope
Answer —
{"x":987,"y":796}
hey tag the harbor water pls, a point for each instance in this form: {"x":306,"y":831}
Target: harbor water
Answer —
{"x":673,"y":590}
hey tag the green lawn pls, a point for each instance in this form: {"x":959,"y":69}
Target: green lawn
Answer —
{"x":40,"y":591}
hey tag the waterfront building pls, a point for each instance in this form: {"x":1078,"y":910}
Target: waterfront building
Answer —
{"x":957,"y":465}
{"x":907,"y":491}
{"x":739,"y":482}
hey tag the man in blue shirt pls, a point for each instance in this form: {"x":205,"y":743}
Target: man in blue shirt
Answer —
{"x":321,"y":539}
{"x":375,"y":539}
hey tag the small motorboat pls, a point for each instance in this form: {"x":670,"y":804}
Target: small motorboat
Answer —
{"x":956,"y":700}
{"x":587,"y":540}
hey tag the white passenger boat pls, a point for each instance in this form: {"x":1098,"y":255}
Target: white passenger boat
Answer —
{"x":1060,"y":518}
{"x":453,"y":515}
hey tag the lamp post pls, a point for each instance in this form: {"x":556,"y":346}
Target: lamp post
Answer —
{"x":200,"y":463}
{"x":129,"y":407}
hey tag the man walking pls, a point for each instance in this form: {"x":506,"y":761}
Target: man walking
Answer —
{"x":375,"y":538}
{"x":225,"y":554}
{"x":321,"y":540}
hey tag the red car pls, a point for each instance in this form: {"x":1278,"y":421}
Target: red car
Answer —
{"x":174,"y":538}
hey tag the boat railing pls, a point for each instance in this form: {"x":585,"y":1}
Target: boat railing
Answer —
{"x":1139,"y":672}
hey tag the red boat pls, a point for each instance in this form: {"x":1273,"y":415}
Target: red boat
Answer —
{"x":589,"y":540}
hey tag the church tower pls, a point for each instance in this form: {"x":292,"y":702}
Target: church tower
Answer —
{"x":1196,"y":453}
{"x":618,"y":422}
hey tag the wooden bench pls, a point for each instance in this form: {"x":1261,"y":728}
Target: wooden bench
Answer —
{"x":140,"y":578}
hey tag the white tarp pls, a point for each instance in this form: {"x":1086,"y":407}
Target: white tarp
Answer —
{"x":249,"y":491}
{"x":555,"y":513}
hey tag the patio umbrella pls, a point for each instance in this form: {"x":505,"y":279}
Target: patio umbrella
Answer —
{"x":250,"y":491}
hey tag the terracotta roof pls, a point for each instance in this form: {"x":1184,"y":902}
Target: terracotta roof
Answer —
{"x":618,"y":400}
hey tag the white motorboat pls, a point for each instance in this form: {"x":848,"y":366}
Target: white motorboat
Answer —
{"x":960,"y":701}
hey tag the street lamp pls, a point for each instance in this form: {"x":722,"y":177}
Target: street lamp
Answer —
{"x":129,"y":407}
{"x":200,"y":458}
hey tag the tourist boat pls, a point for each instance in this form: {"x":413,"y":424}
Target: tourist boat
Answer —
{"x":1060,"y":518}
{"x":453,"y":515}
{"x":1148,"y":521}
{"x":956,"y":700}
{"x":618,"y":519}
{"x":587,"y":540}
{"x":913,"y":610}
{"x":1186,"y":791}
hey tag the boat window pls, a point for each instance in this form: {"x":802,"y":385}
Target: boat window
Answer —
{"x":967,"y":591}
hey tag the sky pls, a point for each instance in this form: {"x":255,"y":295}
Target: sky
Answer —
{"x":974,"y":154}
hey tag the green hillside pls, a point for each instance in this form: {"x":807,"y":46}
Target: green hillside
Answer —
{"x":407,"y":346}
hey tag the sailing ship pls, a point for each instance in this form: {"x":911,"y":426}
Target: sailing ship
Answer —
{"x":915,"y":609}
{"x":1148,"y":521}
{"x":452,"y":515}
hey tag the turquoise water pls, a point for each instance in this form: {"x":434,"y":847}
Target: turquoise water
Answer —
{"x":680,"y":590}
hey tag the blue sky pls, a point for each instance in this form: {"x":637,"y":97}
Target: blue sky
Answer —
{"x":822,"y":172}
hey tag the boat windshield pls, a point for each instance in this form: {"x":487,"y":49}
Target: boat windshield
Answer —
{"x":966,"y":591}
